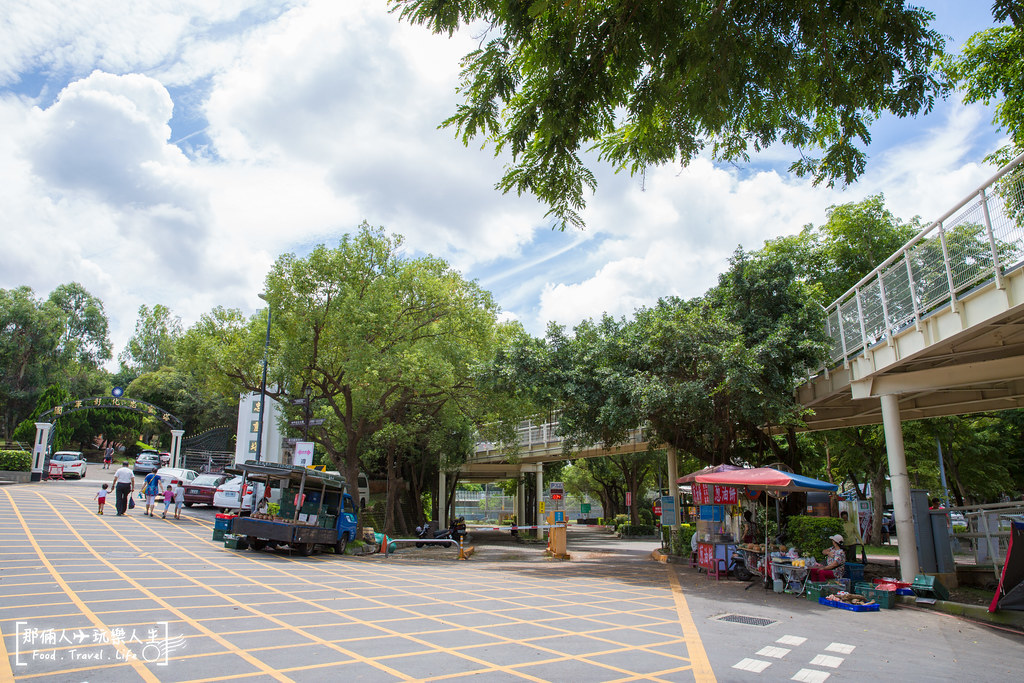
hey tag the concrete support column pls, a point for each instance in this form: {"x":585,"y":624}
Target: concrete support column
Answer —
{"x":39,"y":449}
{"x":540,"y":497}
{"x":442,"y":499}
{"x":900,"y":482}
{"x":521,"y":501}
{"x":673,"y":487}
{"x":176,"y":435}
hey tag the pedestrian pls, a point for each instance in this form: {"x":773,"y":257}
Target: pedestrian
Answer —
{"x":101,"y":498}
{"x":108,"y":457}
{"x":151,"y":487}
{"x":124,"y":485}
{"x":168,"y":499}
{"x":179,"y":500}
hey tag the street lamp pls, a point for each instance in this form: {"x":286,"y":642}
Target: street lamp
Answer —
{"x":263,"y":384}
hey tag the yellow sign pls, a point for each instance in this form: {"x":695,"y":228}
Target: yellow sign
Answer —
{"x":540,"y":507}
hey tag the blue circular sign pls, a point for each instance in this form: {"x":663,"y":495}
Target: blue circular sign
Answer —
{"x":117,"y":392}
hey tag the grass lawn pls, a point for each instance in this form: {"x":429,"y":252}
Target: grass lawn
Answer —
{"x":882,"y":550}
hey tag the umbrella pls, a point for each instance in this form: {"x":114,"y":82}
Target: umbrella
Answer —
{"x":776,"y":482}
{"x":765,"y":479}
{"x":710,"y":469}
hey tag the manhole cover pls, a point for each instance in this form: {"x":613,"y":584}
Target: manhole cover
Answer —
{"x":744,"y":619}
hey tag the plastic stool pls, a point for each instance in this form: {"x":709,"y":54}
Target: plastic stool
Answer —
{"x":718,"y":569}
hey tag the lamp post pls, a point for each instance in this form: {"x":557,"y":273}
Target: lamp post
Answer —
{"x":263,"y":384}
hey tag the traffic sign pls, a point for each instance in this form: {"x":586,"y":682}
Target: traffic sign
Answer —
{"x":657,"y":508}
{"x":299,"y":401}
{"x":585,"y":508}
{"x":668,"y":510}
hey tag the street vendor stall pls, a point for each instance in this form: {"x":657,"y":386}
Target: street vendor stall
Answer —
{"x":775,"y":483}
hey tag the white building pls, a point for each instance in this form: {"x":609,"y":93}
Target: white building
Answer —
{"x":248,"y":426}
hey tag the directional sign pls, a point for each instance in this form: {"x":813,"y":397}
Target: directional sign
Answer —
{"x":315,"y":422}
{"x":299,"y":401}
{"x":303,"y":453}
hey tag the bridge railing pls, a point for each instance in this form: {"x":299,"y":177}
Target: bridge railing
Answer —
{"x":978,"y":240}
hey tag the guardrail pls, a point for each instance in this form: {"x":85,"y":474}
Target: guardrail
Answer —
{"x":988,"y":530}
{"x":978,"y":240}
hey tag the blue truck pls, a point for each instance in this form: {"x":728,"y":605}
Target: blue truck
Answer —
{"x":316,"y":510}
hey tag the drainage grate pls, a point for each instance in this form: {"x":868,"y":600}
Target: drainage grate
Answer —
{"x":744,"y":619}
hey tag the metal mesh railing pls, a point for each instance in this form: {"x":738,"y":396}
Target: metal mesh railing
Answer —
{"x":979,"y":240}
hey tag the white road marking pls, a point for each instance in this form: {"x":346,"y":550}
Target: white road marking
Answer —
{"x":810,"y":676}
{"x":791,"y":640}
{"x":773,"y":652}
{"x":827,"y":660}
{"x":753,"y":665}
{"x":841,"y":648}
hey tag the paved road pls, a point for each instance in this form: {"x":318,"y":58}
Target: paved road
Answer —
{"x":84,"y":597}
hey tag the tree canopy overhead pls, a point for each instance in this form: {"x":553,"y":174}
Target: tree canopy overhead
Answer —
{"x":646,"y":82}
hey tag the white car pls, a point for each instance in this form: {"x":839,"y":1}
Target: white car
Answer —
{"x":227,"y":497}
{"x":72,"y":463}
{"x":175,"y":476}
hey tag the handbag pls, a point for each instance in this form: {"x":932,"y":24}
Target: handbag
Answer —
{"x":131,"y":503}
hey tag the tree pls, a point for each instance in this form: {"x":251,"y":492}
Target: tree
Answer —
{"x":84,"y":338}
{"x":646,"y":83}
{"x":370,"y":336}
{"x":991,"y":68}
{"x":29,"y":339}
{"x":152,"y":346}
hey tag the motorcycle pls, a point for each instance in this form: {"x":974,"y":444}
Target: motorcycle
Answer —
{"x":425,"y":532}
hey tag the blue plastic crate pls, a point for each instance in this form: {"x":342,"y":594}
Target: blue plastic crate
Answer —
{"x":855,"y":571}
{"x":848,"y":608}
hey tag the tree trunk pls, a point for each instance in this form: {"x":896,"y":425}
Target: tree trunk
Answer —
{"x":877,"y":503}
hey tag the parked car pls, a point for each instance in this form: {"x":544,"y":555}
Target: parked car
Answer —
{"x":200,"y":491}
{"x":227,"y":497}
{"x":72,"y":463}
{"x":175,"y":476}
{"x":146,"y":463}
{"x":957,"y":518}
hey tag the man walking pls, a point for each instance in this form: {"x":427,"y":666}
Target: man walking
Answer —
{"x":124,"y":484}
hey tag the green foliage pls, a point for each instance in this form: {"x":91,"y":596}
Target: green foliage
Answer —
{"x":153,"y":345}
{"x":811,"y":534}
{"x":636,"y":529}
{"x":646,"y":516}
{"x":15,"y":461}
{"x":681,"y":541}
{"x":619,"y":521}
{"x":991,"y":69}
{"x":655,"y":82}
{"x":63,"y":428}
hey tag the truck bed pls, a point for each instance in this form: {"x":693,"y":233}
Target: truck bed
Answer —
{"x":283,"y":532}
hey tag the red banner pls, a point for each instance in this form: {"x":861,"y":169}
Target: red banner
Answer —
{"x":705,"y":554}
{"x":709,"y":494}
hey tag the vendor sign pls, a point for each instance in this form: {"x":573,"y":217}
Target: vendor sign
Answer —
{"x":708,"y":494}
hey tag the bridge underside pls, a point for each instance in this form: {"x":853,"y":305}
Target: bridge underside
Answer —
{"x":964,"y":358}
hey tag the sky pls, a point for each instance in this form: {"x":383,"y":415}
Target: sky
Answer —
{"x":169,"y":151}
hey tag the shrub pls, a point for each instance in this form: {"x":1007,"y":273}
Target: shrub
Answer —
{"x":646,"y":516}
{"x":681,"y":540}
{"x":810,"y":534}
{"x":637,"y":529}
{"x":619,"y":521}
{"x":15,"y":461}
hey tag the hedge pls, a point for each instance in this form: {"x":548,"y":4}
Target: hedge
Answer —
{"x":637,"y":529}
{"x":810,"y":534}
{"x":15,"y":461}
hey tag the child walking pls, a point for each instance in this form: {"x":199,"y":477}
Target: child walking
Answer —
{"x":101,"y":498}
{"x":168,"y":499}
{"x":179,"y":500}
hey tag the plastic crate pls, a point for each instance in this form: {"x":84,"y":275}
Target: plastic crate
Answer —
{"x":816,"y":590}
{"x":236,"y":542}
{"x":929,"y":587}
{"x":848,"y":608}
{"x":855,"y":571}
{"x":885,"y":599}
{"x":223,"y":522}
{"x":218,"y":534}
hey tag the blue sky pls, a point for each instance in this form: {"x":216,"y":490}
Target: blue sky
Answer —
{"x":168,"y":151}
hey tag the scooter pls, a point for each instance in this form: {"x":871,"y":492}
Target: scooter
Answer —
{"x":424,"y":532}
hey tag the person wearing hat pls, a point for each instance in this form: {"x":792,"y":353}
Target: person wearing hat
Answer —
{"x":835,"y":562}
